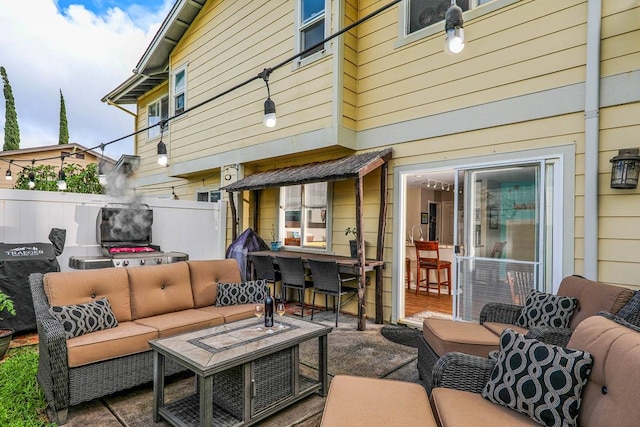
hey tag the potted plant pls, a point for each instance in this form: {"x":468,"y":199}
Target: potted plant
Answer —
{"x":6,"y":334}
{"x":353,"y":244}
{"x":276,"y":245}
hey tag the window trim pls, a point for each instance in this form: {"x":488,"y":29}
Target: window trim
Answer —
{"x":300,"y":26}
{"x":174,"y":92}
{"x":158,"y":101}
{"x":474,"y":12}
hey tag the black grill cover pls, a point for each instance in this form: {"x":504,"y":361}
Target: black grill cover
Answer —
{"x":17,"y":262}
{"x":248,"y":241}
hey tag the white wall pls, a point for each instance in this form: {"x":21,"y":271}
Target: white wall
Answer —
{"x":195,"y":228}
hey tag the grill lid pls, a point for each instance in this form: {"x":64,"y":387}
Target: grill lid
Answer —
{"x":125,"y":226}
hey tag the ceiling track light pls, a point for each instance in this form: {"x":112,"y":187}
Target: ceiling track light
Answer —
{"x":269,"y":106}
{"x":162,"y":148}
{"x":454,"y":39}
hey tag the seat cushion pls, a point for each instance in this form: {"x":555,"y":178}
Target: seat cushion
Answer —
{"x":478,"y":412}
{"x":126,"y":338}
{"x":359,"y":401}
{"x":497,"y":328}
{"x":445,"y":335}
{"x":231,"y":313}
{"x":182,"y":321}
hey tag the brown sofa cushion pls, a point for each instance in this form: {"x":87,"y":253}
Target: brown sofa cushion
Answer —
{"x":593,"y":297}
{"x":181,"y":321}
{"x":359,"y":401}
{"x":126,"y":338}
{"x":462,"y":408}
{"x":610,"y":396}
{"x":498,"y":328}
{"x":445,"y":335}
{"x":159,"y":289}
{"x":231,"y":313}
{"x":82,"y":286}
{"x":205,"y":275}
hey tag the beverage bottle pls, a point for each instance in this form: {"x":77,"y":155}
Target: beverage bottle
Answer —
{"x":268,"y":309}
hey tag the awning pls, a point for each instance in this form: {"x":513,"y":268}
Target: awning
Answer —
{"x":348,"y":167}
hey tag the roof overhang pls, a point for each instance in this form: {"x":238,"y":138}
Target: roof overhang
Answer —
{"x":153,"y":67}
{"x":349,"y":167}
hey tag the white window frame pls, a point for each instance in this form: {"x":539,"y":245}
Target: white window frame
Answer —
{"x":176,"y":92}
{"x":301,"y":26}
{"x":154,"y":132}
{"x":477,"y":8}
{"x":280,"y":232}
{"x":210,"y":193}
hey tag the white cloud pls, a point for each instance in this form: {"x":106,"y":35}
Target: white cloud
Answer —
{"x":86,"y":56}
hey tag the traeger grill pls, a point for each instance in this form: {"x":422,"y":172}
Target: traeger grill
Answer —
{"x":124,"y":234}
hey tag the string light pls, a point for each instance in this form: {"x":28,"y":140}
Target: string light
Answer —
{"x":162,"y":148}
{"x":62,"y":178}
{"x":8,"y":176}
{"x":454,"y":40}
{"x":269,"y":105}
{"x":32,"y":176}
{"x":102,"y":175}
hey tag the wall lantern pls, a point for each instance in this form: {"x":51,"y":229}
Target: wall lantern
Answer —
{"x":625,"y":168}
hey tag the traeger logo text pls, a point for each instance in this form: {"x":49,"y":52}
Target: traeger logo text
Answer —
{"x":25,"y":251}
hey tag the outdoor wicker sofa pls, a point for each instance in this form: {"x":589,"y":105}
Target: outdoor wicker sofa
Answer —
{"x":148,"y":302}
{"x":441,"y":336}
{"x":608,"y":398}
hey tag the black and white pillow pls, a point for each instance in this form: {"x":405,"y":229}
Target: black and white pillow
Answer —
{"x":631,"y":310}
{"x":542,"y":309}
{"x":81,"y":319}
{"x":540,"y":380}
{"x":254,"y":291}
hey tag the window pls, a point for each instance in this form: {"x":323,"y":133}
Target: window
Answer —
{"x":208,"y":196}
{"x":157,"y":111}
{"x":423,"y":13}
{"x":304,"y":213}
{"x":311,"y":25}
{"x":179,"y":90}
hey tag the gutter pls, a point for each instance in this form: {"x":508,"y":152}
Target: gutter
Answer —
{"x":110,"y":102}
{"x":591,"y":138}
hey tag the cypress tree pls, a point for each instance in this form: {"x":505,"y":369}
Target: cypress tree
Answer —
{"x":11,"y":129}
{"x":63,"y":135}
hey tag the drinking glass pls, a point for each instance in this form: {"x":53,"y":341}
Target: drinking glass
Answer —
{"x":259,"y":311}
{"x":280,"y":309}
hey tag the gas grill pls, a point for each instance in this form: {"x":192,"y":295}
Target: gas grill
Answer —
{"x":124,"y":234}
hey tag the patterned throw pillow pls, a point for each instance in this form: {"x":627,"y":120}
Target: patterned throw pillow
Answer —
{"x":540,"y":380}
{"x":631,"y":310}
{"x":241,"y":293}
{"x":542,"y":309}
{"x":84,"y":318}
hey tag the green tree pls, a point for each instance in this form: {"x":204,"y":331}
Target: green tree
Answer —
{"x":63,"y":135}
{"x":11,"y":129}
{"x":79,"y":180}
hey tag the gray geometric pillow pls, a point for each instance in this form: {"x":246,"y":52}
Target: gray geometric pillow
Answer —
{"x":540,"y":380}
{"x":253,"y":291}
{"x":542,"y":309}
{"x":81,"y":319}
{"x":631,"y":310}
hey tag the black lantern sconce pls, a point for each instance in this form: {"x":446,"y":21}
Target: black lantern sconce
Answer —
{"x":625,"y":168}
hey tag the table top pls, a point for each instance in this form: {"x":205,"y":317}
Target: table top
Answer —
{"x":345,"y":264}
{"x":218,"y":348}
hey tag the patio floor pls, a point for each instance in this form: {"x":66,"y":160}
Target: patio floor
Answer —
{"x":363,"y":353}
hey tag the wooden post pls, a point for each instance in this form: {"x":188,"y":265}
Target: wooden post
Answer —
{"x":382,"y":224}
{"x":234,"y":220}
{"x":362,"y":279}
{"x":256,"y":209}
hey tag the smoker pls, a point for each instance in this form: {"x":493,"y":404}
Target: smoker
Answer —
{"x":124,"y":234}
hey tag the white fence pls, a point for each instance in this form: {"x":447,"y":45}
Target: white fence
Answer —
{"x":195,"y":228}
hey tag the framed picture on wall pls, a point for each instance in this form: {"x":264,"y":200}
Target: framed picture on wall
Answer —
{"x":493,"y":219}
{"x":424,"y":218}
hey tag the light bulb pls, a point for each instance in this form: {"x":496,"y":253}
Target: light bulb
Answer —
{"x":454,"y":43}
{"x":269,"y":113}
{"x":162,"y":159}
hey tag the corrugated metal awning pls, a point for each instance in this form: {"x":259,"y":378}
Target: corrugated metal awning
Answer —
{"x":331,"y":170}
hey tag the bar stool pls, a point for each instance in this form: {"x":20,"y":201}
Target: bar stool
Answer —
{"x":428,"y":258}
{"x":264,"y":269}
{"x":407,"y":271}
{"x":327,"y":281}
{"x":292,"y":273}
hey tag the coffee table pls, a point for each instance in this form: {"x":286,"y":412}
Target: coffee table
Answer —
{"x":243,"y":375}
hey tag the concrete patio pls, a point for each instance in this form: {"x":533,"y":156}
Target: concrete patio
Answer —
{"x":363,"y":353}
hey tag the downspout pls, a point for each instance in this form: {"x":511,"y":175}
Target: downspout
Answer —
{"x":591,"y":138}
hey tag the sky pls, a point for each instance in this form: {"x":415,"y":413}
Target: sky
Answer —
{"x":84,"y":48}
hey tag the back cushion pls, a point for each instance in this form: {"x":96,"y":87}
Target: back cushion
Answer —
{"x":593,"y":297}
{"x":83,"y":286}
{"x":159,"y":289}
{"x":205,"y":276}
{"x":610,"y":396}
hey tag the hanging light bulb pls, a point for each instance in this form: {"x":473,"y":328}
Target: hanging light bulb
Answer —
{"x":102,"y":175}
{"x":8,"y":176}
{"x":32,"y":180}
{"x":162,"y":148}
{"x":454,"y":40}
{"x":269,"y":106}
{"x":173,"y":194}
{"x":62,"y":178}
